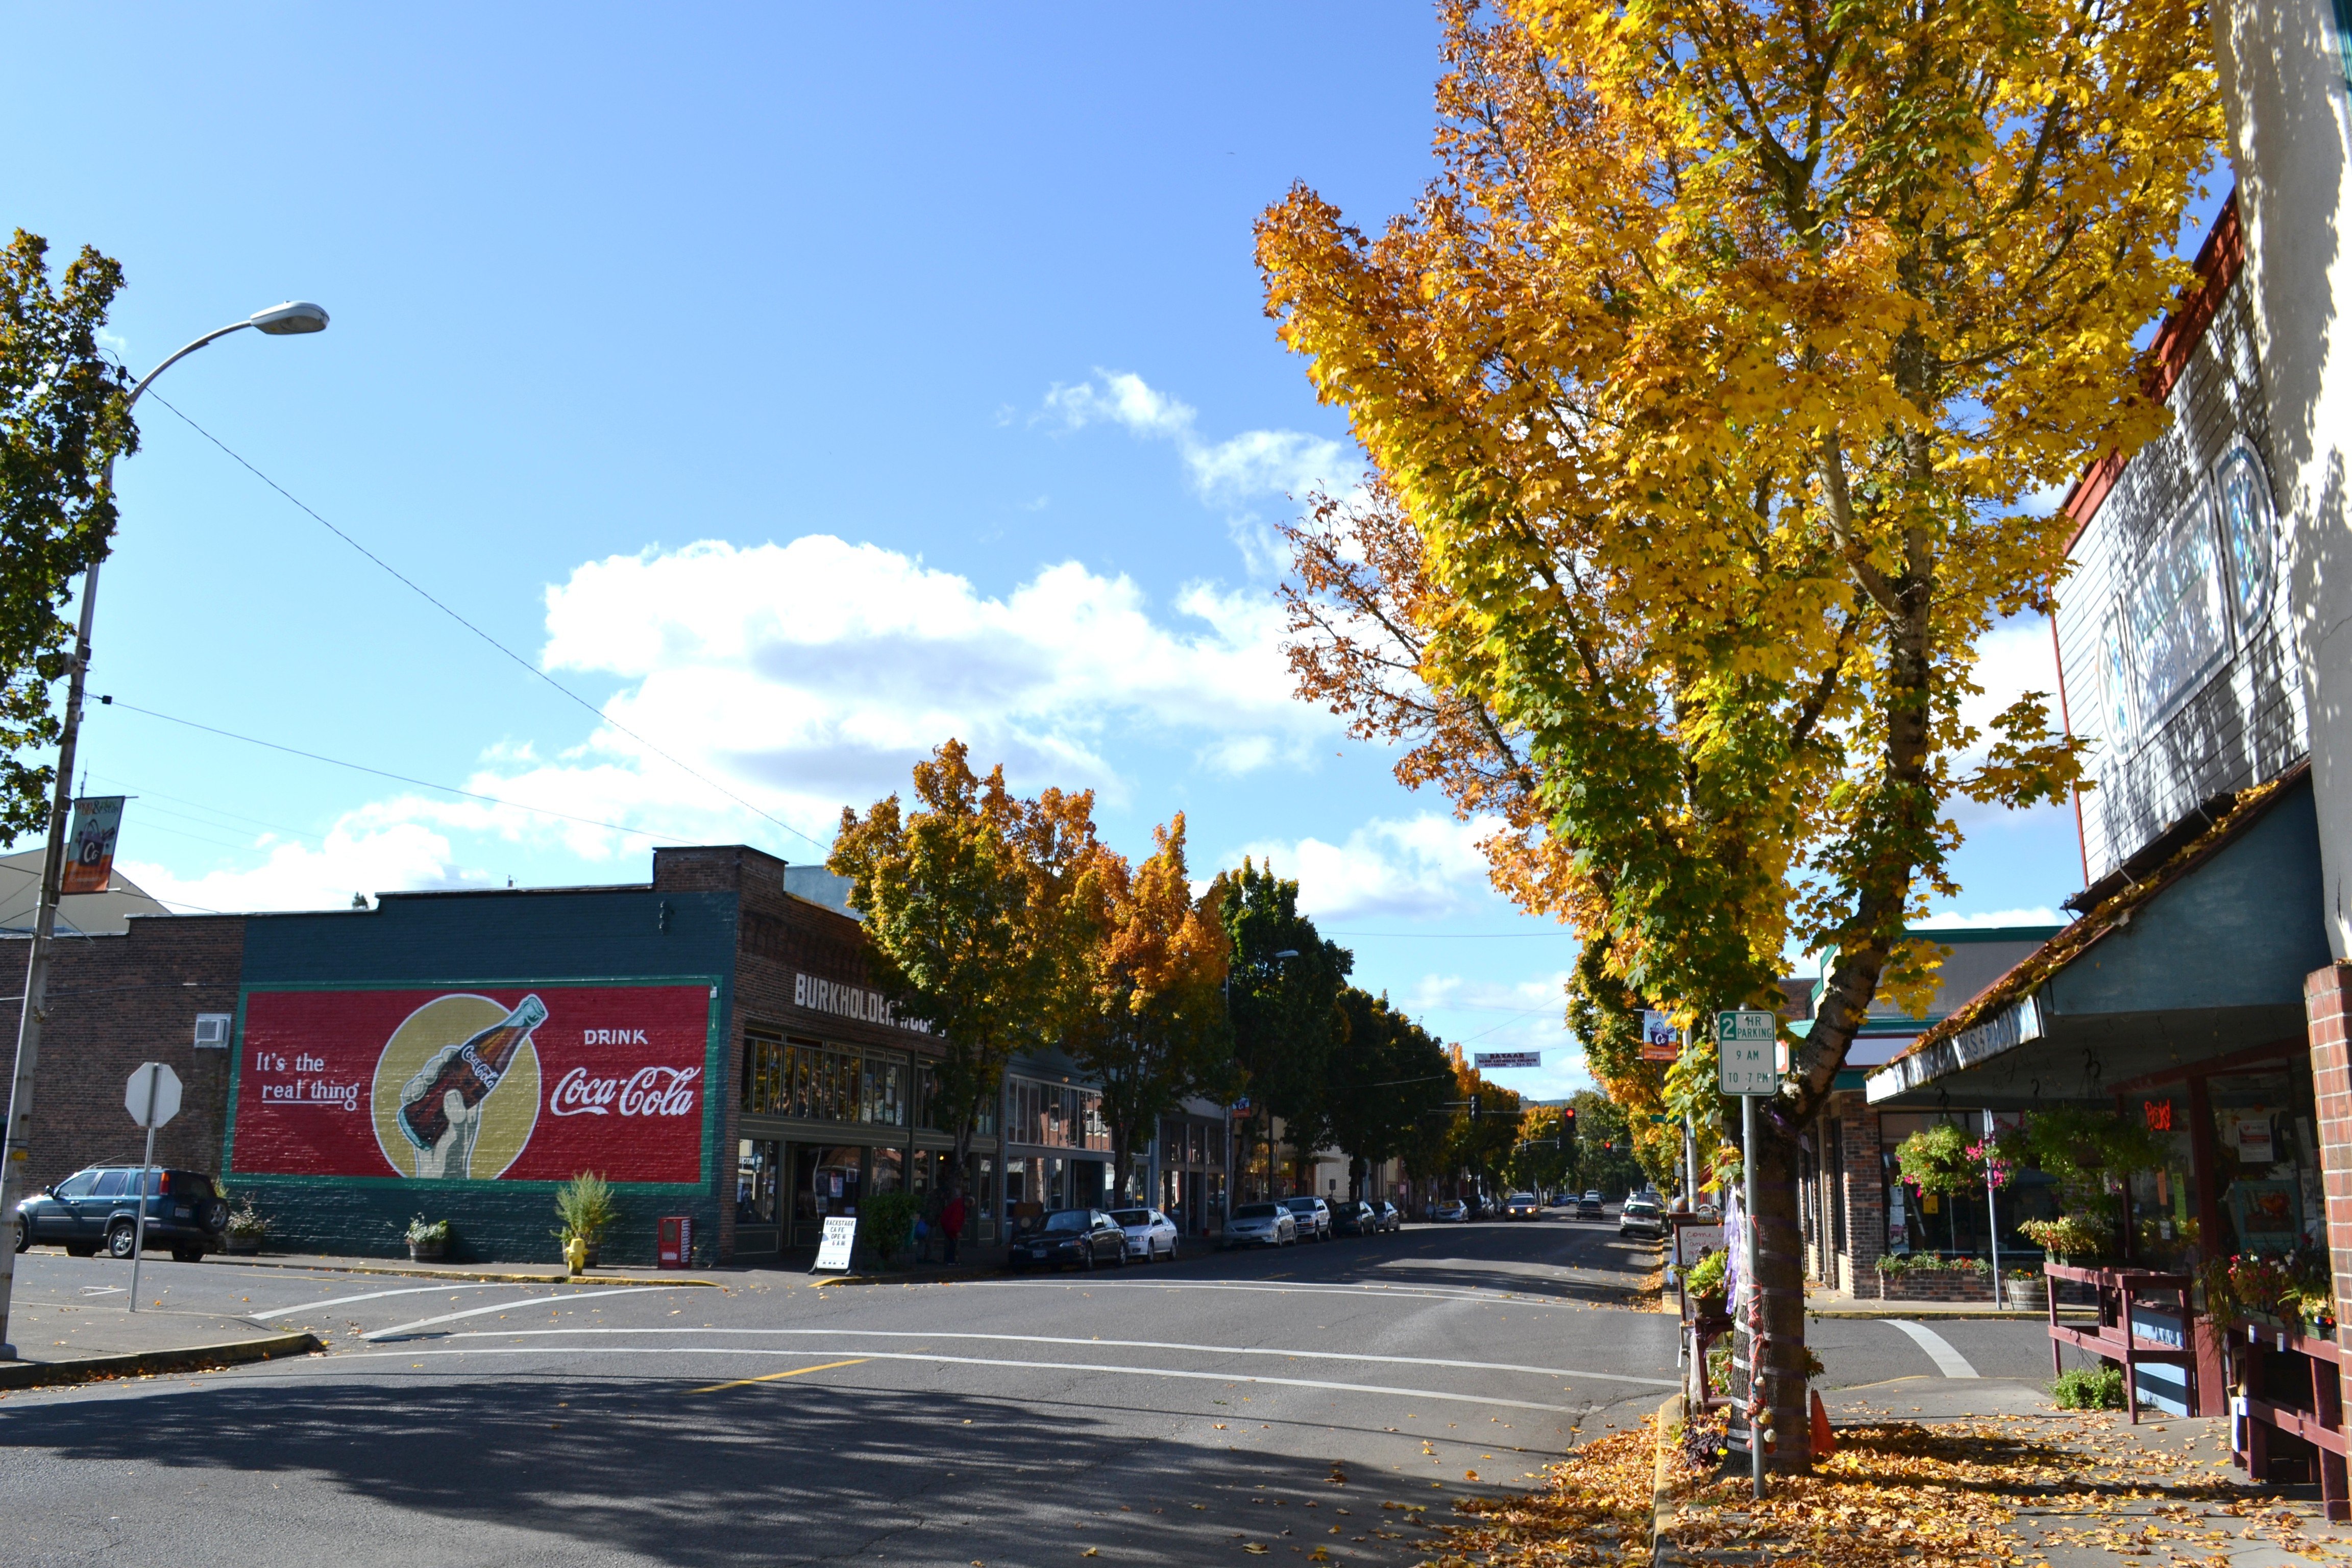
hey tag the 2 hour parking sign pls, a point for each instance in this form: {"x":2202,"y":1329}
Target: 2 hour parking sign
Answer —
{"x":1747,"y":1063}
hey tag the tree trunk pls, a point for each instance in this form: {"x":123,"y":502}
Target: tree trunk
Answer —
{"x":1780,"y":1270}
{"x":1122,"y":1144}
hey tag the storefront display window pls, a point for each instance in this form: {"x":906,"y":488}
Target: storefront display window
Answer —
{"x":814,"y":1083}
{"x":1054,"y":1115}
{"x":2266,"y":1167}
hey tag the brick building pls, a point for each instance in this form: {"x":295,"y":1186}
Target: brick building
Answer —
{"x":709,"y":1041}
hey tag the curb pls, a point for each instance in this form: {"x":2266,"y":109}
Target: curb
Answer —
{"x":2004,"y":1315}
{"x":1670,"y":1423}
{"x":487,"y":1276}
{"x":148,"y":1364}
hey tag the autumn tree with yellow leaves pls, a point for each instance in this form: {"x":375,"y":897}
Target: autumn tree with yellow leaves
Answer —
{"x":1145,"y":1012}
{"x":1705,"y":387}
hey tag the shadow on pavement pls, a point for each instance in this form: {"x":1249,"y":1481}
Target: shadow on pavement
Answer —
{"x":791,"y":1471}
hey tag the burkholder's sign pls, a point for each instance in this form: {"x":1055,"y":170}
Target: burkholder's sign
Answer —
{"x":819,"y":996}
{"x":536,"y":1083}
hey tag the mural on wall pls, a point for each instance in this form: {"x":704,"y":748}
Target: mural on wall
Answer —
{"x":530,"y":1084}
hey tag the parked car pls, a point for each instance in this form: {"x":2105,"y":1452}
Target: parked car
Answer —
{"x":1452,"y":1211}
{"x":1259,"y":1224}
{"x":1642,"y":1216}
{"x":1522,"y":1206}
{"x":1150,"y":1235}
{"x":1314,"y":1217}
{"x":1355,"y":1219}
{"x":99,"y":1207}
{"x":1391,"y":1218}
{"x":1589,"y":1206}
{"x":1073,"y":1238}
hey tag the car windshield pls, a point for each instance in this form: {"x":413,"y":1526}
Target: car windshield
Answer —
{"x":1528,"y":1198}
{"x":1131,"y":1216}
{"x":1257,"y":1211}
{"x":1066,"y":1220}
{"x":1592,"y":1197}
{"x":1301,"y":1205}
{"x":1641,"y":1206}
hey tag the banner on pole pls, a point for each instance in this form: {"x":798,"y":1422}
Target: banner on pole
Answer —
{"x":1661,"y":1041}
{"x":89,"y":848}
{"x":1485,"y":1059}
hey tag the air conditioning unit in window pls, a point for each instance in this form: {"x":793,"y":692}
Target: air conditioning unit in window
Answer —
{"x":212,"y":1031}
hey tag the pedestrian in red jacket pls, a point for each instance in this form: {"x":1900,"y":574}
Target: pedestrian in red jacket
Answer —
{"x":951,"y":1223}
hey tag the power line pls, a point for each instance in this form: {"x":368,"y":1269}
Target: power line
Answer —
{"x":414,"y":587}
{"x":397,"y":778}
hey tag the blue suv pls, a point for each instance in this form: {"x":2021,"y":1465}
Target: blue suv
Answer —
{"x":99,"y":1207}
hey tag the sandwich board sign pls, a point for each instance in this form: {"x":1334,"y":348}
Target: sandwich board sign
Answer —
{"x":1747,"y":1063}
{"x":833,"y":1249}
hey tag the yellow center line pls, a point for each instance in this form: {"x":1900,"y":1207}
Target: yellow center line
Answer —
{"x":748,"y":1382}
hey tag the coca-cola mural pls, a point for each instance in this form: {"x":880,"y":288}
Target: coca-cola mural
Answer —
{"x":527,"y":1083}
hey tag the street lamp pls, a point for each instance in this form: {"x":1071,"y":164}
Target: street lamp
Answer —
{"x":293,"y":318}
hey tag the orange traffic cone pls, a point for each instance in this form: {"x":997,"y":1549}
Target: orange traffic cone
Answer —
{"x":1825,"y":1440}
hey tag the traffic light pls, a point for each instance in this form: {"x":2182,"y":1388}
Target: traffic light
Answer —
{"x":1473,"y":1107}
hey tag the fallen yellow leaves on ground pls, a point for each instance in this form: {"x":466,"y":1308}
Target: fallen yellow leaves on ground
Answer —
{"x":1972,"y":1494}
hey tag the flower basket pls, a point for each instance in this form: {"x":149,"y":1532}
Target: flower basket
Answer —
{"x":428,"y":1251}
{"x":241,"y":1241}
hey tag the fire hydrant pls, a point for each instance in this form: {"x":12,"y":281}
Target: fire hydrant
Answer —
{"x":575,"y":1251}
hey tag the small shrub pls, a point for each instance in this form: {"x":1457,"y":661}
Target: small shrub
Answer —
{"x":247,"y":1220}
{"x":584,"y":1205}
{"x":1706,"y":1276}
{"x":887,"y":1220}
{"x":422,"y":1230}
{"x":2093,"y":1388}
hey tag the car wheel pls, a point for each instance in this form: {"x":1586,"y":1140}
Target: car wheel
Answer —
{"x":122,"y":1239}
{"x":24,"y":1234}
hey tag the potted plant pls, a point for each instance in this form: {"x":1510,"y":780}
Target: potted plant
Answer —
{"x":245,"y":1228}
{"x":2067,"y":1240}
{"x":1705,"y":1283}
{"x":427,"y":1239}
{"x":2026,"y":1291}
{"x":584,"y":1205}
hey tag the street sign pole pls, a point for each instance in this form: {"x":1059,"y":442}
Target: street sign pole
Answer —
{"x":1755,"y":1292}
{"x":1748,"y":1066}
{"x":146,"y":1164}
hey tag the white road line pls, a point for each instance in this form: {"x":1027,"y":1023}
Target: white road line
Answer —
{"x":1948,"y":1362}
{"x":334,"y":1363}
{"x":1121,"y":1345}
{"x":378,"y":1296}
{"x":510,"y":1306}
{"x":1399,"y":1292}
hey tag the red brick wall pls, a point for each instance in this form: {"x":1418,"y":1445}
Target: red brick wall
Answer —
{"x":116,"y":1001}
{"x":1935,"y":1285}
{"x":2328,"y":1005}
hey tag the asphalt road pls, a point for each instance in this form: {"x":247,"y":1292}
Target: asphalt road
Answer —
{"x":1318,"y":1396}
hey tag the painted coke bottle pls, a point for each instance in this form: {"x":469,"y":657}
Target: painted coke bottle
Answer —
{"x":473,"y":1070}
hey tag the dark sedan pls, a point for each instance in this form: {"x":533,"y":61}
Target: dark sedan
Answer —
{"x":1071,"y":1238}
{"x":1355,"y":1219}
{"x":99,"y":1207}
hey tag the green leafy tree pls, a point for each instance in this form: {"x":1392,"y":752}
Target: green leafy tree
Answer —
{"x":1604,"y":1145}
{"x":1285,"y":1011}
{"x":64,"y":416}
{"x":1387,"y":1074}
{"x":1546,"y":1151}
{"x":967,"y":903}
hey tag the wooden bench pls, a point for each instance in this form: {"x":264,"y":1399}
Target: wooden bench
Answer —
{"x":2113,"y":1337}
{"x":2267,"y":1356}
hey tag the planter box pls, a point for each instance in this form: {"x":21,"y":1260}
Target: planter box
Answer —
{"x":2026,"y":1295}
{"x":1936,"y":1285}
{"x":427,"y":1251}
{"x":233,"y":1242}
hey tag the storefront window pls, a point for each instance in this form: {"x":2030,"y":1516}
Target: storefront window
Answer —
{"x":764,"y":1088}
{"x":755,"y":1181}
{"x":887,"y":1170}
{"x":2266,"y":1161}
{"x":1054,"y":1115}
{"x":822,"y":1083}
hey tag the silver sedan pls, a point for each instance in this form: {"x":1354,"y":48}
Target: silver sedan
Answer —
{"x":1150,"y":1235}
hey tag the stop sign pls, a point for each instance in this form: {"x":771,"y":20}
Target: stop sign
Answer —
{"x":160,"y":1081}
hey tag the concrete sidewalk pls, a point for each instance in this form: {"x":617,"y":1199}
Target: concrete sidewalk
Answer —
{"x":2068,"y":1489}
{"x":60,"y":1342}
{"x":499,"y":1273}
{"x":1822,"y":1304}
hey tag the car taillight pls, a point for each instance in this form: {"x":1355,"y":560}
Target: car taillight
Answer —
{"x":164,"y":1189}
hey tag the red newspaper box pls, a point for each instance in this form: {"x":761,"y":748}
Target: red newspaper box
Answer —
{"x":676,"y":1247}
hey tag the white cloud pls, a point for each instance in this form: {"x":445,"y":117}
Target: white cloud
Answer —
{"x":353,"y":858}
{"x":1254,"y":463}
{"x":1419,"y":867}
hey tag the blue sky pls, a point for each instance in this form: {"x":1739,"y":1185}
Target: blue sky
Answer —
{"x":795,"y":388}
